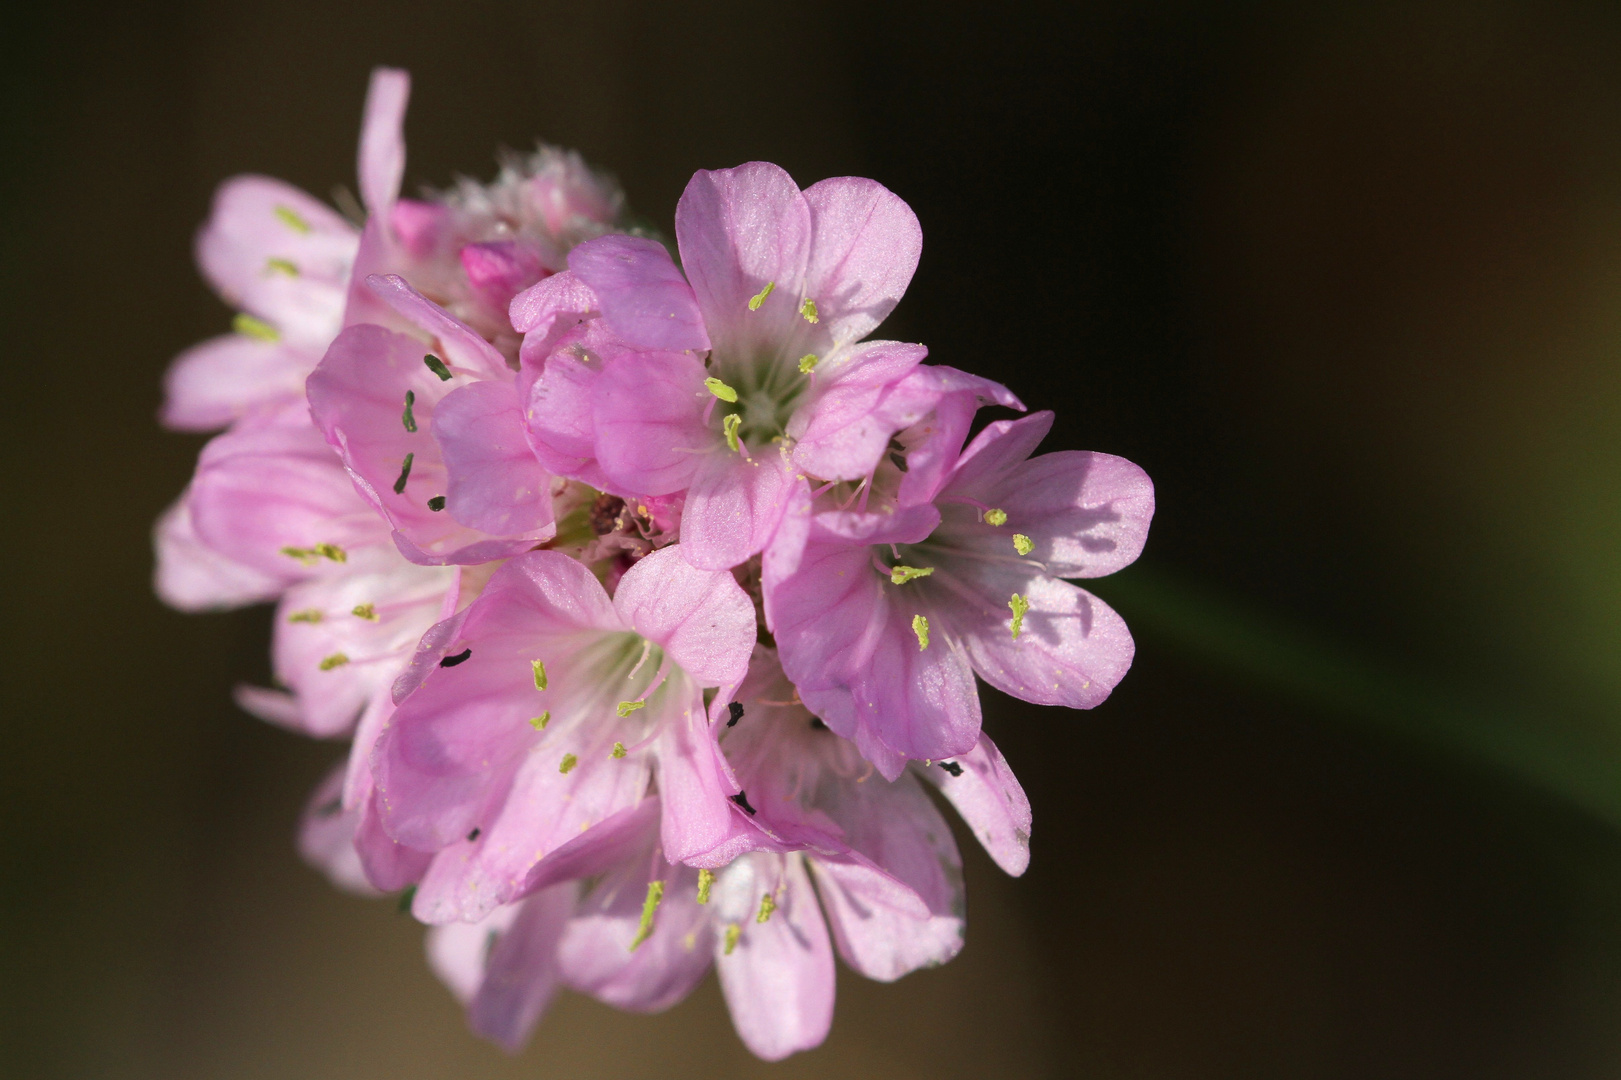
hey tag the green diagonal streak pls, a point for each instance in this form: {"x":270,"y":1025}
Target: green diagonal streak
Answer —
{"x":1290,"y":659}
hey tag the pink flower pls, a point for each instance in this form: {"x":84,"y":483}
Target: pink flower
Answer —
{"x":884,"y":617}
{"x":781,"y":288}
{"x":546,"y":708}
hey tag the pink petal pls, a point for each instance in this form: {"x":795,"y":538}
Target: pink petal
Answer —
{"x":843,"y":432}
{"x":1087,"y":514}
{"x":192,"y":576}
{"x":498,"y":270}
{"x":628,"y":834}
{"x":547,"y":310}
{"x":864,"y":249}
{"x":995,"y":452}
{"x":326,"y":835}
{"x":220,"y":380}
{"x":778,"y":979}
{"x":990,"y":800}
{"x":558,"y":396}
{"x":493,"y":482}
{"x":738,"y":230}
{"x":381,"y":164}
{"x":459,"y":345}
{"x":648,"y":417}
{"x":702,"y":618}
{"x":643,"y":296}
{"x":734,"y":506}
{"x":521,"y":976}
{"x":458,"y":952}
{"x":389,"y":866}
{"x":694,"y":781}
{"x":877,"y":924}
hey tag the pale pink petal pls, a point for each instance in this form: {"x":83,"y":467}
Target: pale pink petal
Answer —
{"x":990,"y":800}
{"x":459,"y":346}
{"x":1086,"y":514}
{"x":734,"y":506}
{"x":272,"y":706}
{"x":326,"y":835}
{"x":648,"y":417}
{"x":864,"y":249}
{"x":778,"y":979}
{"x":192,"y":576}
{"x":458,"y":952}
{"x":216,"y":382}
{"x":642,"y":295}
{"x":882,"y":929}
{"x":521,"y":976}
{"x":859,"y":404}
{"x":494,"y":484}
{"x":702,"y":618}
{"x":739,"y":230}
{"x":381,"y":164}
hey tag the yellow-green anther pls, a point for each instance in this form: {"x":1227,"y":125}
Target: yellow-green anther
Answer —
{"x":408,"y":418}
{"x":627,"y":707}
{"x":437,"y":366}
{"x":1018,"y":605}
{"x":720,"y":389}
{"x":759,"y":298}
{"x":706,"y":879}
{"x":1022,"y":544}
{"x":767,"y":906}
{"x":568,"y":762}
{"x":331,"y":551}
{"x":290,"y":218}
{"x":807,"y":363}
{"x":540,"y":673}
{"x":996,"y":517}
{"x":280,"y":266}
{"x":733,"y":932}
{"x":618,"y":751}
{"x":655,"y":894}
{"x":365,"y":611}
{"x":920,"y":627}
{"x":309,"y":615}
{"x":729,"y":428}
{"x":337,"y":659}
{"x":303,"y":555}
{"x":248,"y":326}
{"x":539,"y":722}
{"x":808,"y":310}
{"x":900,"y":575}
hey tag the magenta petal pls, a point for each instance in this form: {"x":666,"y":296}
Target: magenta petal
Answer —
{"x":498,"y":270}
{"x":738,"y":230}
{"x":192,"y":576}
{"x":778,"y":979}
{"x":381,"y":164}
{"x":494,"y":483}
{"x":220,"y":380}
{"x":881,"y":927}
{"x":702,"y":618}
{"x":1087,"y":514}
{"x":648,"y":418}
{"x":864,"y":249}
{"x":521,"y":976}
{"x":643,"y":296}
{"x":843,"y":432}
{"x":990,"y":800}
{"x":734,"y":506}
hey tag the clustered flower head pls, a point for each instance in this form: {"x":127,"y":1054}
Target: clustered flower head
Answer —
{"x":650,"y":589}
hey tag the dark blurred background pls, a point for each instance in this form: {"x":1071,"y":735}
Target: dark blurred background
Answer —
{"x":1345,"y":278}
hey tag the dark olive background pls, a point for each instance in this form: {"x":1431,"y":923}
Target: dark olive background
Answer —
{"x":1346,"y":281}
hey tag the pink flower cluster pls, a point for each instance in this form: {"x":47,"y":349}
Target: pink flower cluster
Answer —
{"x":651,"y":594}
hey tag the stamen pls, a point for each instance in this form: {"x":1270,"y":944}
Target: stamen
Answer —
{"x":951,"y":767}
{"x":759,"y":298}
{"x":900,"y":575}
{"x":280,"y":266}
{"x":733,"y":932}
{"x":1018,"y":605}
{"x":729,"y":428}
{"x":808,"y":362}
{"x":568,"y":762}
{"x":290,"y":218}
{"x":1022,"y":544}
{"x":331,"y":551}
{"x":720,"y":389}
{"x":365,"y":611}
{"x":539,"y":722}
{"x":808,"y":310}
{"x":706,"y":878}
{"x":899,"y":461}
{"x":742,"y":799}
{"x":437,"y":366}
{"x":437,"y":503}
{"x":303,"y":555}
{"x":405,"y":473}
{"x":618,"y":751}
{"x":473,"y":835}
{"x":410,"y":420}
{"x":460,"y":658}
{"x":767,"y":906}
{"x":539,"y":668}
{"x":996,"y":517}
{"x":337,"y":659}
{"x":248,"y":326}
{"x":817,"y":725}
{"x":655,"y":894}
{"x":309,"y":615}
{"x":735,"y":708}
{"x":625,"y":708}
{"x":920,"y":627}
